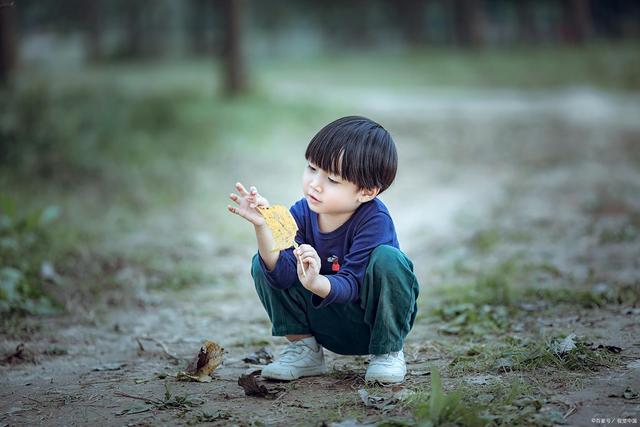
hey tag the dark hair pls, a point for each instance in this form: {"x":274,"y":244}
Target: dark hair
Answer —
{"x":356,"y":149}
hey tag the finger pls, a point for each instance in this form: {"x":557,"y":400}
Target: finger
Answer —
{"x":303,"y":253}
{"x":298,"y":265}
{"x":309,"y":261}
{"x":234,"y":197}
{"x":241,"y":189}
{"x":232,"y":209}
{"x":306,"y":250}
{"x":253,"y":190}
{"x":305,"y":247}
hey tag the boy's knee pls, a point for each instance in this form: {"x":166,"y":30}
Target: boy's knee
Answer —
{"x":385,"y":257}
{"x":256,"y":268}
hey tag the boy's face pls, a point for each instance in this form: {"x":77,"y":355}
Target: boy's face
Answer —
{"x":329,"y":194}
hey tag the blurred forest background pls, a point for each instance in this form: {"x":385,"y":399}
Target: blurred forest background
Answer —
{"x":110,"y":107}
{"x":125,"y":124}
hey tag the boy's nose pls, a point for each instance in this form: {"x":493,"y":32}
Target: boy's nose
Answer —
{"x":316,"y":187}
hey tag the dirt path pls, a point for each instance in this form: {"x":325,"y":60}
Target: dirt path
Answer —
{"x":569,"y":185}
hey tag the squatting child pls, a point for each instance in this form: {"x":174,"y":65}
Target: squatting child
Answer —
{"x":357,"y":295}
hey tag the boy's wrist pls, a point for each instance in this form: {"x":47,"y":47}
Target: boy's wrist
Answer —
{"x":321,"y":286}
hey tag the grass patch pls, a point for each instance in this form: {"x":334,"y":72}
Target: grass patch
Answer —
{"x":512,"y":404}
{"x":520,"y":354}
{"x":472,"y":319}
{"x":435,"y":407}
{"x":597,"y":296}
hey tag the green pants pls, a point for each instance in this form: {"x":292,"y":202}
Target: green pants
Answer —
{"x":376,"y":324}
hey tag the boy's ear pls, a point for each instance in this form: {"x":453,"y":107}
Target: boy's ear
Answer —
{"x":367,"y":194}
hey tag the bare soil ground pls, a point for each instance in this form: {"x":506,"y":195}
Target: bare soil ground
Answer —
{"x":539,"y":191}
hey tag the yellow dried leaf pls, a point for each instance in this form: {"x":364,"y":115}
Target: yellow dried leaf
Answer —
{"x":282,"y":225}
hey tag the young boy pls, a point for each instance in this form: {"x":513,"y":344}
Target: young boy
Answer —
{"x":357,"y":294}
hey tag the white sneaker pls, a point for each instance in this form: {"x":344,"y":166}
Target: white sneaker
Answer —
{"x":302,"y":358}
{"x":386,"y":368}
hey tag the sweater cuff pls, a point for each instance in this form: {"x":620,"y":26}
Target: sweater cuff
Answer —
{"x":272,"y":276}
{"x":319,"y":302}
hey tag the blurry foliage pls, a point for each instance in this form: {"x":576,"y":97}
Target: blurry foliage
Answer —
{"x":605,"y":65}
{"x":24,"y":244}
{"x":596,"y":296}
{"x":473,"y":319}
{"x":90,"y":135}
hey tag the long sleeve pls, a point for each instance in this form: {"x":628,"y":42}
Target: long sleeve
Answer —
{"x":345,"y":284}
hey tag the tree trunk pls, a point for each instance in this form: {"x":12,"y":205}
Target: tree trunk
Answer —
{"x":93,"y":19}
{"x":468,"y":22}
{"x":576,"y":21}
{"x":134,"y":31}
{"x":411,"y":14}
{"x":526,"y":24}
{"x":235,"y":81}
{"x":7,"y":42}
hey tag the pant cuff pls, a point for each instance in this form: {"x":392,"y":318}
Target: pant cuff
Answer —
{"x":385,"y":348}
{"x":281,"y":332}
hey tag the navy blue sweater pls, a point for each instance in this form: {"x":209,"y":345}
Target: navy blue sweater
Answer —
{"x":352,"y":243}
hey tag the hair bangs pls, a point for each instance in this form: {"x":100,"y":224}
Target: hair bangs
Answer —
{"x":356,"y":149}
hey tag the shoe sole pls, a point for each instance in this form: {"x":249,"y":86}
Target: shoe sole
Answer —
{"x":385,"y":381}
{"x":289,"y":376}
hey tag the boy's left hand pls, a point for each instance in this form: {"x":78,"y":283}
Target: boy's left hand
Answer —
{"x":310,"y":262}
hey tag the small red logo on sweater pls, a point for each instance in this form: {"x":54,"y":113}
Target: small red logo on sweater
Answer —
{"x":335,"y":265}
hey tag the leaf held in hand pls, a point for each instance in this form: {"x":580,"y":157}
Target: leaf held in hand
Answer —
{"x":282,"y":225}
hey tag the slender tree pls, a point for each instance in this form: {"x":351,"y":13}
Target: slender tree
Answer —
{"x":468,"y":16}
{"x":7,"y":41}
{"x":411,"y":17}
{"x":93,"y":11}
{"x":526,"y":32}
{"x":576,"y":20}
{"x":235,"y":80}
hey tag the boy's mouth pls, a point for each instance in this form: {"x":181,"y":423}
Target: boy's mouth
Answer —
{"x":313,"y":199}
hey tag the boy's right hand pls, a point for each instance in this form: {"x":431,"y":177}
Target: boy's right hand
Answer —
{"x":247,"y":202}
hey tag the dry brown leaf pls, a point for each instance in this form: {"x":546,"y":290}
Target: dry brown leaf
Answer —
{"x":205,"y":362}
{"x":253,"y":387}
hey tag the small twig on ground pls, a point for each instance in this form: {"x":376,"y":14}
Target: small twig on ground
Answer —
{"x":113,"y":380}
{"x":280,"y":397}
{"x":31,"y":398}
{"x":144,"y":399}
{"x":140,"y":346}
{"x":569,"y":412}
{"x":162,"y":345}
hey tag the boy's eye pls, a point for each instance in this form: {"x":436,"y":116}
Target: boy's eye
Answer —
{"x":334,"y":181}
{"x":311,"y":167}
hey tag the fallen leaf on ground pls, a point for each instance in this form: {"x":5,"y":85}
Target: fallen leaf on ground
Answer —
{"x":110,"y":366}
{"x":205,"y":362}
{"x":21,"y":355}
{"x":260,"y":357}
{"x":384,"y":403}
{"x":609,"y":348}
{"x":564,"y":346}
{"x":628,"y":394}
{"x":253,"y":387}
